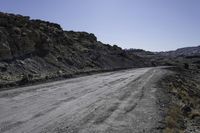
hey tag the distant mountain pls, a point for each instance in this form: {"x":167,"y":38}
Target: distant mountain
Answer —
{"x":179,"y":57}
{"x":187,"y":51}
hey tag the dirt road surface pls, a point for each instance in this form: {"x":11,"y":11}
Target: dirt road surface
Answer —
{"x":113,"y":102}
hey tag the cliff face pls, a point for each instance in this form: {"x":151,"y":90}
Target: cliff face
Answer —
{"x":35,"y":49}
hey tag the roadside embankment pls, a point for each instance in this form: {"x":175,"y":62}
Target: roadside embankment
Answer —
{"x":183,"y":106}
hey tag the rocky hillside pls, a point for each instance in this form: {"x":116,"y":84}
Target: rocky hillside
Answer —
{"x":33,"y":50}
{"x":141,"y":53}
{"x":187,"y":51}
{"x":153,"y":58}
{"x":182,"y":57}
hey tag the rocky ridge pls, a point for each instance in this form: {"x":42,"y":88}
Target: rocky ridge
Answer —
{"x":186,"y":51}
{"x":33,"y":50}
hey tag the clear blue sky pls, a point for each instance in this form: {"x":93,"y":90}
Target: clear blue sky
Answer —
{"x":148,"y":24}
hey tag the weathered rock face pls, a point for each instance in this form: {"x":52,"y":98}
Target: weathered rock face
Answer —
{"x":43,"y":50}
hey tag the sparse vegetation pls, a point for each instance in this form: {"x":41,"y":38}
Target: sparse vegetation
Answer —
{"x":184,"y":106}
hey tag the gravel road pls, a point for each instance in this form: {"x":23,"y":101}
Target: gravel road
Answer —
{"x":113,"y":102}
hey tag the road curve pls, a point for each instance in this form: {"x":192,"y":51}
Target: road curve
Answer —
{"x":113,"y":102}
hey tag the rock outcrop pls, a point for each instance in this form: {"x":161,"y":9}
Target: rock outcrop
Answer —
{"x":32,"y":50}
